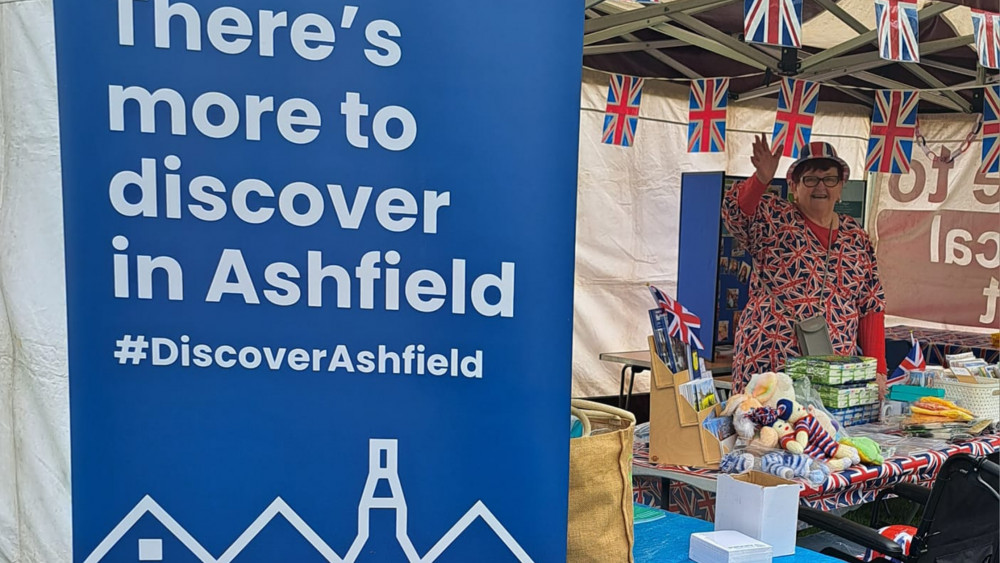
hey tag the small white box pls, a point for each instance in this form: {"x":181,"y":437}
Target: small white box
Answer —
{"x":761,"y":506}
{"x":727,"y":546}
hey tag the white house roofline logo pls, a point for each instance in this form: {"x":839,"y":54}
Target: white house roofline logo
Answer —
{"x":382,"y":465}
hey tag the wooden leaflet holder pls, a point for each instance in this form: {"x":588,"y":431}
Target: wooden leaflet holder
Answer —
{"x":676,"y":434}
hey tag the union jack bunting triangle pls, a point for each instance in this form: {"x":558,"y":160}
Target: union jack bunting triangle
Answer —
{"x":794,"y":120}
{"x":622,"y":114}
{"x":991,"y":130}
{"x":894,"y":122}
{"x":707,"y":115}
{"x":986,"y":26}
{"x":898,"y":30}
{"x":773,"y":22}
{"x":683,"y":323}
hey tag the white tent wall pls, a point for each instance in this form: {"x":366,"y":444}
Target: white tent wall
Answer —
{"x":34,"y":413}
{"x":628,"y":210}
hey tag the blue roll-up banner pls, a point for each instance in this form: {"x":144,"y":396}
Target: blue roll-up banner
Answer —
{"x":320,"y":274}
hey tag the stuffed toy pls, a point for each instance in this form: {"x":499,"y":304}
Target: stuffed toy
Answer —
{"x":739,"y":407}
{"x":736,"y":462}
{"x":869,"y":450}
{"x":751,"y":420}
{"x":770,"y":387}
{"x":784,"y":432}
{"x":788,"y":465}
{"x":824,"y":419}
{"x":812,"y":439}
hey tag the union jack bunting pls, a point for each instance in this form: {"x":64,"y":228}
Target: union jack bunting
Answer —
{"x":898,"y":30}
{"x":707,"y":115}
{"x":683,"y":323}
{"x":991,"y":130}
{"x":986,"y":26}
{"x":622,"y":113}
{"x":773,"y":22}
{"x":894,"y":122}
{"x":794,"y":120}
{"x":914,"y":361}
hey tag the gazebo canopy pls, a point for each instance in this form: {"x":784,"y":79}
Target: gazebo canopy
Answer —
{"x":704,"y":38}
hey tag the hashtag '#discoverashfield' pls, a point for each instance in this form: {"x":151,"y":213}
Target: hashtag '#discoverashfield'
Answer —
{"x":131,"y":349}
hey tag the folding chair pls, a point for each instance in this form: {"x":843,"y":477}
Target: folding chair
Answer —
{"x":960,"y":522}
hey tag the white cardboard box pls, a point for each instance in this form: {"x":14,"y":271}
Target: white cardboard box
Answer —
{"x":761,"y":506}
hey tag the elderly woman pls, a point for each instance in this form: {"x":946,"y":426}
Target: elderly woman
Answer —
{"x":807,"y":261}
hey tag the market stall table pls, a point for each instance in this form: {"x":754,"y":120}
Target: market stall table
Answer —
{"x":692,"y":490}
{"x":665,"y":539}
{"x":936,"y":344}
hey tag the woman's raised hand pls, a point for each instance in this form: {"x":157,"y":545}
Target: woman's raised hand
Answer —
{"x":764,"y":160}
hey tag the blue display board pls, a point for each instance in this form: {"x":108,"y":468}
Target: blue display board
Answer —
{"x":698,"y":243}
{"x":320,"y":274}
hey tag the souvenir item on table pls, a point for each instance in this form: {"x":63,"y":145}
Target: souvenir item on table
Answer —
{"x":789,"y":466}
{"x":751,"y":420}
{"x":770,"y":387}
{"x":700,"y":393}
{"x":739,"y":406}
{"x":869,"y":450}
{"x":958,"y":360}
{"x":809,"y":397}
{"x":924,"y":426}
{"x":921,"y":378}
{"x":736,"y":461}
{"x":832,"y":370}
{"x":776,"y":462}
{"x":658,"y":322}
{"x":679,"y":356}
{"x":812,"y":439}
{"x":722,"y":428}
{"x":842,"y":386}
{"x":941,"y":408}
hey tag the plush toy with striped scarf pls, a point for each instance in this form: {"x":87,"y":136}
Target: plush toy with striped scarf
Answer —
{"x":788,"y":465}
{"x":809,"y":437}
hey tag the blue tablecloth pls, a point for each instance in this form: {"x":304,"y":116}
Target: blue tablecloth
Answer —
{"x":666,"y":540}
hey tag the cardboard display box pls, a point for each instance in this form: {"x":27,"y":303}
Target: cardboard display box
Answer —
{"x":760,"y":505}
{"x":676,"y":434}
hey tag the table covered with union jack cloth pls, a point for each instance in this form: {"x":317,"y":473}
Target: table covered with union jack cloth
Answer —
{"x":690,"y":490}
{"x":935,"y":344}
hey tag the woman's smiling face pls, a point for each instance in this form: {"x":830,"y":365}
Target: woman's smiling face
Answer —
{"x":818,"y":200}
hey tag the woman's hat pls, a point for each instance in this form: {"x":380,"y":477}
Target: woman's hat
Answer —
{"x":819,"y":149}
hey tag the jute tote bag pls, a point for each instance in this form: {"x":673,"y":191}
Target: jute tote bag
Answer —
{"x":600,"y":485}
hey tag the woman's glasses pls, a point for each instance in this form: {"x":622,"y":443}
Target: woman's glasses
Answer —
{"x":813,"y":181}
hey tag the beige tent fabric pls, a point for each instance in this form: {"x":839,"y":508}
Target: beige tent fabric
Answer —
{"x":628,"y":209}
{"x":34,"y":413}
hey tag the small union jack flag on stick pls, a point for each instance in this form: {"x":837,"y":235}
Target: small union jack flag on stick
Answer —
{"x":894,"y":123}
{"x":622,"y":114}
{"x":986,"y":26}
{"x":898,"y":30}
{"x":707,"y":115}
{"x":914,"y":361}
{"x":991,"y":130}
{"x":794,"y":120}
{"x":683,"y":323}
{"x":773,"y":22}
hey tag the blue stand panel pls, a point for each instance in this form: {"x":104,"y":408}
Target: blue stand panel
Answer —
{"x":698,"y":264}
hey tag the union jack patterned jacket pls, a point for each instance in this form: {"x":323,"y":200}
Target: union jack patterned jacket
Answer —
{"x":789,"y":258}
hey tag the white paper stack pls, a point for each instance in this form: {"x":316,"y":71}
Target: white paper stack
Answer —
{"x":728,"y":546}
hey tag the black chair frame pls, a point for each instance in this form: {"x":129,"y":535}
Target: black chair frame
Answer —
{"x":960,"y":521}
